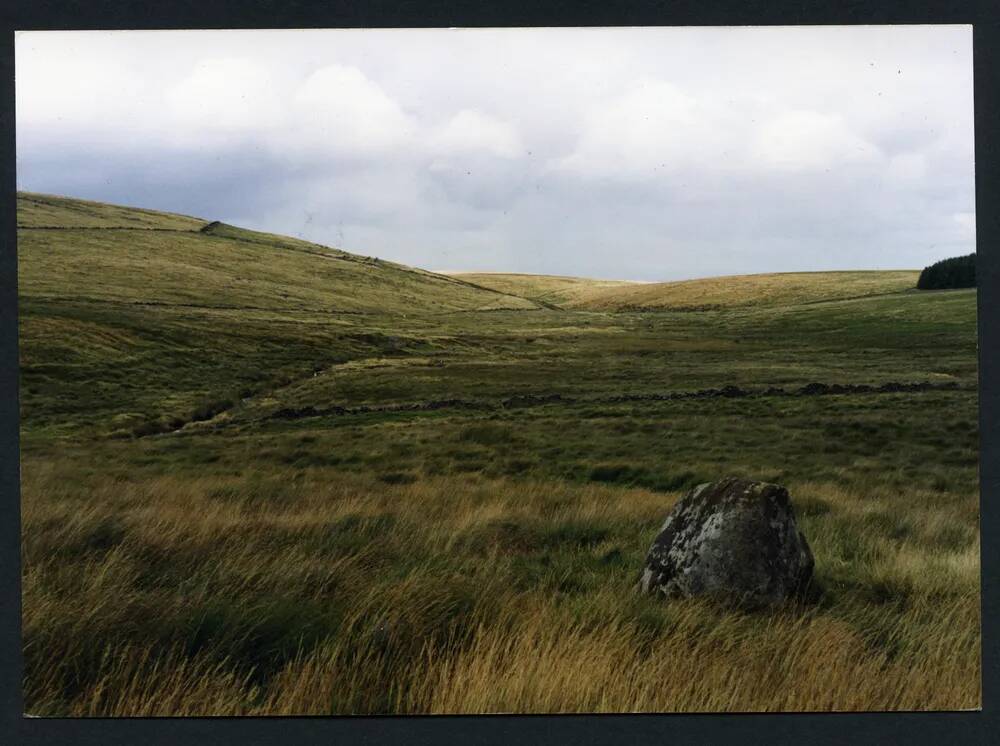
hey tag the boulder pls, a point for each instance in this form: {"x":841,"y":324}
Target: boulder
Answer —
{"x":733,"y":540}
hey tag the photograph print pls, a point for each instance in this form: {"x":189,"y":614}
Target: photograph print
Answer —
{"x":522,"y":370}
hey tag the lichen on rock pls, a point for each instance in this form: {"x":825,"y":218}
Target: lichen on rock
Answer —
{"x":734,"y":540}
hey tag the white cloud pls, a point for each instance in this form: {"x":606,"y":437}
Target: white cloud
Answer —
{"x":339,"y":111}
{"x":967,"y":223}
{"x":657,"y":127}
{"x":59,"y":82}
{"x":229,"y":94}
{"x":648,"y":127}
{"x":645,"y":153}
{"x":907,"y":168}
{"x":809,"y":140}
{"x":471,"y":131}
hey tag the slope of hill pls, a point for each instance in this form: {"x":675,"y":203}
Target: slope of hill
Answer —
{"x":50,"y":211}
{"x":108,"y":253}
{"x":551,"y":289}
{"x":737,"y":291}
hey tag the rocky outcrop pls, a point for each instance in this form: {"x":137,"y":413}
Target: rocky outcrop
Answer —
{"x":733,"y":540}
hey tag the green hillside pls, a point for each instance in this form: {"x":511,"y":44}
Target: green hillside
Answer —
{"x":734,"y":291}
{"x":560,"y":291}
{"x":742,"y":291}
{"x":262,"y":476}
{"x":90,"y":251}
{"x":50,"y":211}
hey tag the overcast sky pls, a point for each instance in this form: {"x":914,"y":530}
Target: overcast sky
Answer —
{"x":647,"y":154}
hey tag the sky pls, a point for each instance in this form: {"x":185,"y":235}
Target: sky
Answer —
{"x":628,"y":153}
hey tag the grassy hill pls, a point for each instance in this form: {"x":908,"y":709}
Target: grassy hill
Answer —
{"x":50,"y":211}
{"x":734,"y":291}
{"x":741,"y":291}
{"x":553,"y":289}
{"x":89,"y":251}
{"x":263,"y":476}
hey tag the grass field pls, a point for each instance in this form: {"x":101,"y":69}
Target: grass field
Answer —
{"x":559,"y":291}
{"x":264,"y":476}
{"x":711,"y":293}
{"x":742,"y":291}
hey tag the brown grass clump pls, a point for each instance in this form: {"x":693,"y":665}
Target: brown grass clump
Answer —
{"x":318,"y":593}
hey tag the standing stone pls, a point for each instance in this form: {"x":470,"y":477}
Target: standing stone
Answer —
{"x":734,"y":540}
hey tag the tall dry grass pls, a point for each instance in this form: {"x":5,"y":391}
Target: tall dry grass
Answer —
{"x":315,"y":592}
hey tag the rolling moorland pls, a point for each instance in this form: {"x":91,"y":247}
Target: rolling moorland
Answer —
{"x":261,"y":476}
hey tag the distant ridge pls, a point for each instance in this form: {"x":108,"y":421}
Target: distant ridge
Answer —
{"x":557,"y":290}
{"x":708,"y":293}
{"x":739,"y":291}
{"x":171,"y":258}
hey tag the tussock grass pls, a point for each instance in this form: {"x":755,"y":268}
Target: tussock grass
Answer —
{"x":314,"y":592}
